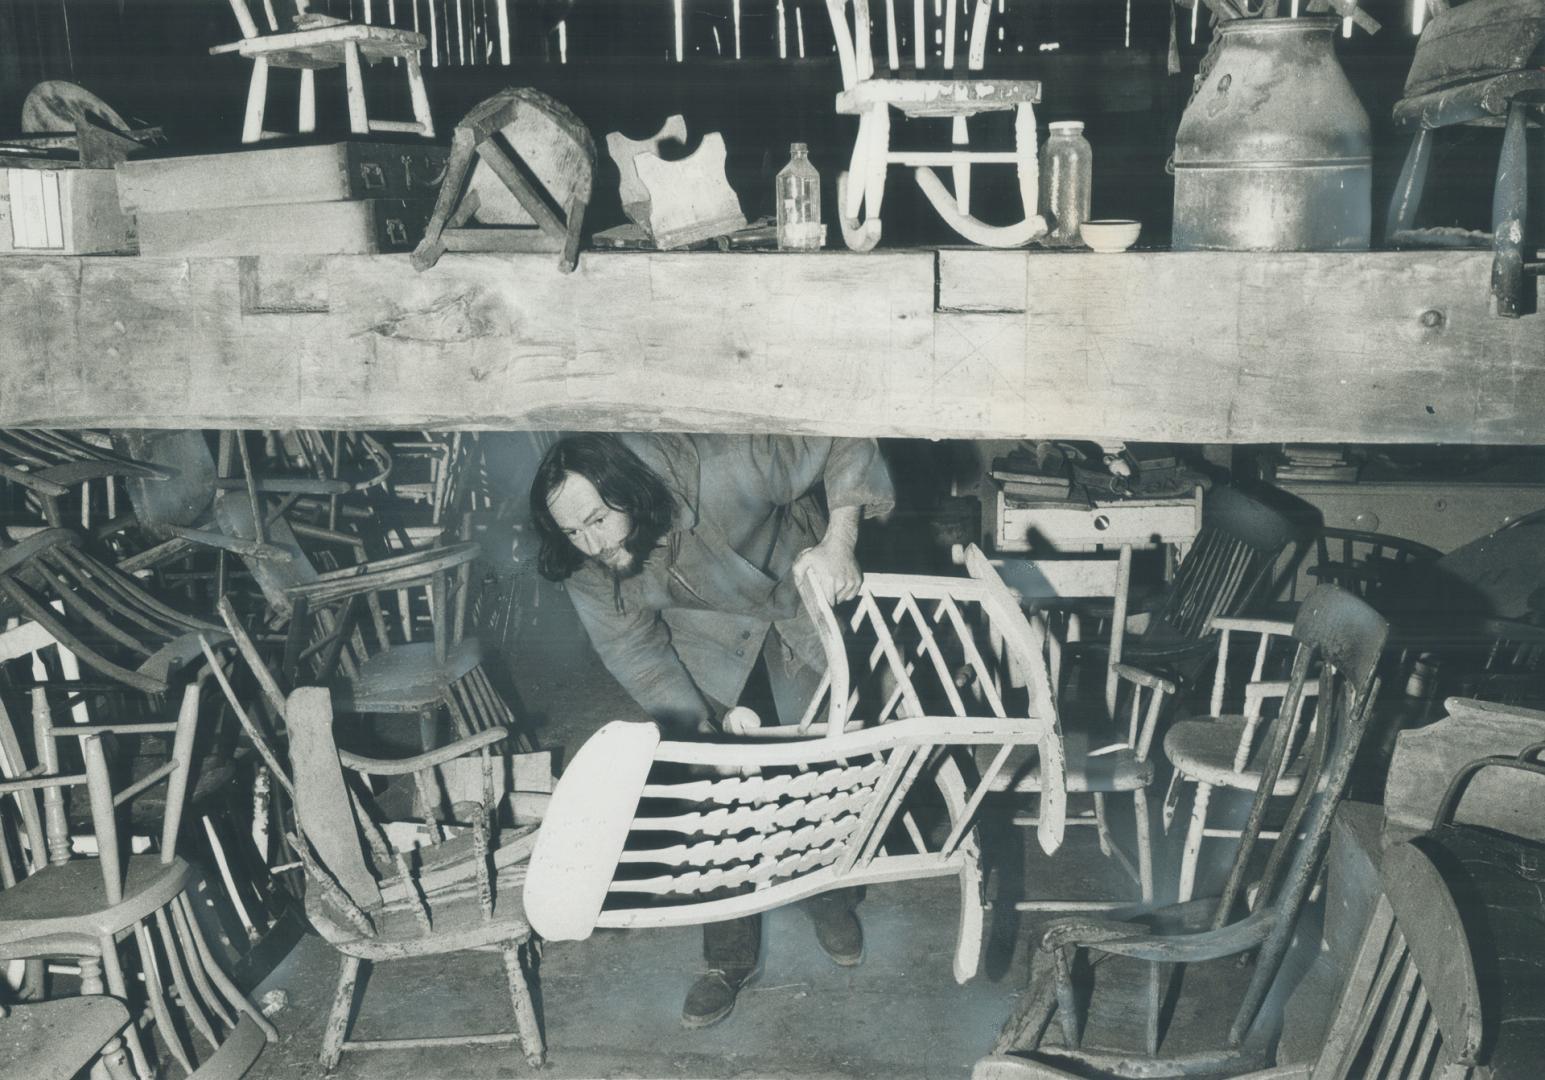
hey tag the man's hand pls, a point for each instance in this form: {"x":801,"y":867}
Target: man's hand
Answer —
{"x":831,"y":570}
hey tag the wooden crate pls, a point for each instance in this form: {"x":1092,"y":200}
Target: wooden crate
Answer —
{"x":62,"y":212}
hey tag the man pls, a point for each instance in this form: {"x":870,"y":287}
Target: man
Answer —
{"x":679,"y":553}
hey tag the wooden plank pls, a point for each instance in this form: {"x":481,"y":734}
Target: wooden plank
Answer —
{"x":1205,"y":347}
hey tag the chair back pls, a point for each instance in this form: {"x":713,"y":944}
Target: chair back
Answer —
{"x":54,"y":465}
{"x":36,"y":788}
{"x":1367,"y":564}
{"x":1411,"y":1005}
{"x":1226,"y":569}
{"x":927,"y":39}
{"x":99,"y":613}
{"x":1339,"y":640}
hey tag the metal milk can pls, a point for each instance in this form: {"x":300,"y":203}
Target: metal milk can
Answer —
{"x":1273,"y":151}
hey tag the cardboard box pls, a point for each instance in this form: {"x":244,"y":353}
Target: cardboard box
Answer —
{"x":62,"y":212}
{"x":269,"y":176}
{"x":365,"y":227}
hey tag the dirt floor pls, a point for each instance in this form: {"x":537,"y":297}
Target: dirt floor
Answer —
{"x":611,"y":1005}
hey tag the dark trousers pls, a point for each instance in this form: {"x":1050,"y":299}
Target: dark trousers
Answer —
{"x":786,"y":683}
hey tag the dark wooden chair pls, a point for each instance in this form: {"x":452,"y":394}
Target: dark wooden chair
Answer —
{"x":1367,"y":564}
{"x":96,"y":909}
{"x":375,"y":902}
{"x":73,"y":480}
{"x":1476,"y":64}
{"x":1411,"y":1008}
{"x":1339,"y":638}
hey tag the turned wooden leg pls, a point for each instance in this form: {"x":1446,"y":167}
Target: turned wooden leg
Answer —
{"x":1509,"y":209}
{"x":257,"y":97}
{"x":1408,"y":189}
{"x":338,"y":1018}
{"x":525,"y":1011}
{"x":115,"y":1058}
{"x":1191,"y":853}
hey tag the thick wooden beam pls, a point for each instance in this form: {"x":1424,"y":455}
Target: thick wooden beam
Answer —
{"x":1196,"y":347}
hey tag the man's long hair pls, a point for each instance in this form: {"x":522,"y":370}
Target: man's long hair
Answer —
{"x":624,"y":482}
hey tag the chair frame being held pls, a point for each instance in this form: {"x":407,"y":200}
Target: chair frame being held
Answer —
{"x":807,"y":808}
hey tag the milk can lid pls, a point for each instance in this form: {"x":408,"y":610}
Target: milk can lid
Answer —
{"x":1070,"y":126}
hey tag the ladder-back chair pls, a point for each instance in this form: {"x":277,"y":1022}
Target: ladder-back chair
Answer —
{"x":1339,"y":639}
{"x":946,"y":95}
{"x":314,"y":42}
{"x":96,"y":909}
{"x":643,"y":831}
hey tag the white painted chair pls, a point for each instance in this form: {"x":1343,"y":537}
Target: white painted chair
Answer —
{"x":862,"y":188}
{"x":318,"y":42}
{"x":756,"y":823}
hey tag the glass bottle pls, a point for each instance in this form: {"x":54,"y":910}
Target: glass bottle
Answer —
{"x":1066,"y":162}
{"x":799,"y":203}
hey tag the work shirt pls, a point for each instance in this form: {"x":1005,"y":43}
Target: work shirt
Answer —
{"x":689,"y":625}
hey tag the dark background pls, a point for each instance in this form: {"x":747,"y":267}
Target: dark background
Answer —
{"x":149,"y":59}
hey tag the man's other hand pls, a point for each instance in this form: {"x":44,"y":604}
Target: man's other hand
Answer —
{"x":831,"y":570}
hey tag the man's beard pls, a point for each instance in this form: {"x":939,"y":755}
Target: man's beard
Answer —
{"x":637,"y":548}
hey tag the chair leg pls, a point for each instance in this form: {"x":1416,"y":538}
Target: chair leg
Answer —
{"x":257,"y":97}
{"x":1509,"y":209}
{"x":867,"y":168}
{"x":1408,"y":189}
{"x":342,"y":1010}
{"x":1102,"y":825}
{"x":1144,"y":845}
{"x":960,"y":136}
{"x":1067,"y":998}
{"x":114,"y":1057}
{"x":1156,"y":986}
{"x":421,"y":112}
{"x":354,"y":82}
{"x":119,"y":988}
{"x":1191,"y":853}
{"x":307,"y":121}
{"x":520,"y":1000}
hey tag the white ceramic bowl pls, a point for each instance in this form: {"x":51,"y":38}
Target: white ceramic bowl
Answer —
{"x":1110,"y":235}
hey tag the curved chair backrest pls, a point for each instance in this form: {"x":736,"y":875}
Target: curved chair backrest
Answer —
{"x":907,"y":39}
{"x":1365,"y":563}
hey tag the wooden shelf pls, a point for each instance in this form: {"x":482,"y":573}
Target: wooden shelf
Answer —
{"x":1196,"y":347}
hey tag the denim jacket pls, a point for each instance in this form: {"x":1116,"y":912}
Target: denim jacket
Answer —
{"x":689,"y":626}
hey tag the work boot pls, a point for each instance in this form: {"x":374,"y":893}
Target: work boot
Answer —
{"x":712,"y":997}
{"x":839,"y":933}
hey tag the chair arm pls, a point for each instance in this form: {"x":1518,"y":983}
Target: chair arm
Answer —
{"x":1144,"y":678}
{"x":427,"y":760}
{"x":1275,"y":688}
{"x":1281,"y":627}
{"x":395,"y":572}
{"x":1230,"y":940}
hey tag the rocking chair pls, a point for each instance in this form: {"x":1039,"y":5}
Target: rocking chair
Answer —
{"x":871,"y":99}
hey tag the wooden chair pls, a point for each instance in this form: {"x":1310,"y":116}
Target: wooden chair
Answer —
{"x":51,"y":465}
{"x":316,"y":42}
{"x":88,"y":908}
{"x":649,"y":832}
{"x":1367,"y":564}
{"x":1476,"y":64}
{"x":1342,"y":637}
{"x":97,"y":612}
{"x":861,"y":189}
{"x":1411,"y":1008}
{"x":375,"y":903}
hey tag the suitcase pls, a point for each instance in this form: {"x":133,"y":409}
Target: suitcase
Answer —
{"x":363,"y":227}
{"x":329,"y":172}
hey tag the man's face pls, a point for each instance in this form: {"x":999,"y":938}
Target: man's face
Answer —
{"x":591,"y":525}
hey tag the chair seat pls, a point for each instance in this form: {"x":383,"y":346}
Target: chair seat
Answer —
{"x":325,"y":47}
{"x":406,"y":678}
{"x":940,"y":97}
{"x":71,"y":899}
{"x":455,"y":917}
{"x":58,"y":1038}
{"x":1118,"y":770}
{"x":1203,"y":749}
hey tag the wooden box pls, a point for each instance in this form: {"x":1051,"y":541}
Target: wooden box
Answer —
{"x":62,"y":212}
{"x":365,"y":227}
{"x":330,"y":172}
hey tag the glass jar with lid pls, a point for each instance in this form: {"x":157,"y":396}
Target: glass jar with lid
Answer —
{"x":1067,"y":161}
